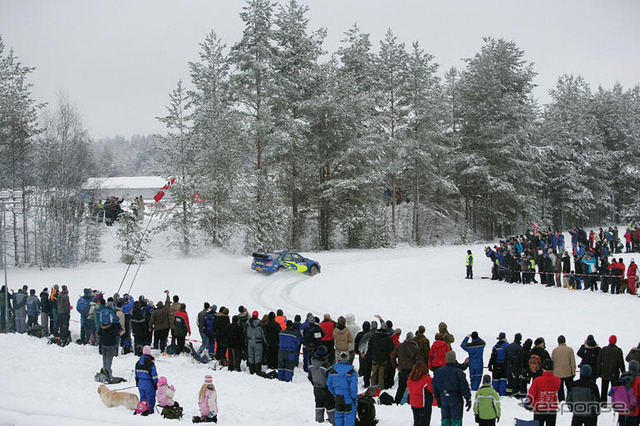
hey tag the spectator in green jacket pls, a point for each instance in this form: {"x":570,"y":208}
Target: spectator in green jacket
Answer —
{"x":487,"y":403}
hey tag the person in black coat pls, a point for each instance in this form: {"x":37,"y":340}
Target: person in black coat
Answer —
{"x":589,"y":352}
{"x":539,"y":351}
{"x":272,"y":333}
{"x":45,"y":311}
{"x":583,"y":399}
{"x":609,"y":366}
{"x":235,"y":340}
{"x":381,"y":346}
{"x":512,"y":378}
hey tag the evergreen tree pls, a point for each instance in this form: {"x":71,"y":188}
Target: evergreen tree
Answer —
{"x":296,"y":70}
{"x":576,"y":182}
{"x":178,"y":153}
{"x":218,"y":165}
{"x":498,"y":112}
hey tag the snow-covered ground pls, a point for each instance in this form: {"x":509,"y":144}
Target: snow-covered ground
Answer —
{"x":44,"y":384}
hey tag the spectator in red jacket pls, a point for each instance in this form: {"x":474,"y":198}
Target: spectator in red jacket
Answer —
{"x":543,"y":395}
{"x":327,"y":325}
{"x":438,"y":352}
{"x":632,"y":272}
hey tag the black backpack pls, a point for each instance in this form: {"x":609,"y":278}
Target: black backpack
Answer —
{"x":172,"y":412}
{"x":179,"y":326}
{"x":366,"y":414}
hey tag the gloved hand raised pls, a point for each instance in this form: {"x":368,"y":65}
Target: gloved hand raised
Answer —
{"x":467,"y":405}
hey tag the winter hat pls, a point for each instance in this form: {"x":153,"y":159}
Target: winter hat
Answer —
{"x":297,"y":318}
{"x":613,"y":339}
{"x":450,"y":357}
{"x":162,"y":381}
{"x":343,"y":356}
{"x":409,"y":336}
{"x":254,"y":314}
{"x":272,"y":315}
{"x":547,"y":364}
{"x":45,"y":289}
{"x":241,"y":309}
{"x":585,"y":371}
{"x":634,"y":366}
{"x":561,"y":339}
{"x":214,"y":308}
{"x":208,"y":380}
{"x":87,"y":292}
{"x":421,"y":329}
{"x":501,"y":336}
{"x":225,"y":311}
{"x":474,"y":335}
{"x":64,"y":287}
{"x":32,"y":291}
{"x":517,"y":337}
{"x":311,"y":319}
{"x":141,"y":298}
{"x":321,"y":351}
{"x":374,"y":325}
{"x":25,"y":288}
{"x":146,"y":350}
{"x":486,"y":379}
{"x":538,"y":341}
{"x":591,"y":341}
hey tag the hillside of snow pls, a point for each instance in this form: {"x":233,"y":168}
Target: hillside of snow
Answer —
{"x":49,"y":385}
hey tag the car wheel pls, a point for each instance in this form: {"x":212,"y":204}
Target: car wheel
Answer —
{"x":281,"y":268}
{"x":313,"y":270}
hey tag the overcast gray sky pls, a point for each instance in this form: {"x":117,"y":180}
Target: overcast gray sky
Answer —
{"x":117,"y":60}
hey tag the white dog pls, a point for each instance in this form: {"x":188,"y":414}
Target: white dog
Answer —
{"x":115,"y":399}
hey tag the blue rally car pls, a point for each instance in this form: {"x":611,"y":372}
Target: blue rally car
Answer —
{"x":284,"y":261}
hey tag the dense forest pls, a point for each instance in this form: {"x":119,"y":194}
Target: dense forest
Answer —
{"x":290,"y":146}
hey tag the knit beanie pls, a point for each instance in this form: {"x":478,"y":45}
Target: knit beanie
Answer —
{"x":486,"y":379}
{"x":613,"y":339}
{"x":421,"y":329}
{"x":409,"y":336}
{"x":634,"y":366}
{"x":450,"y":357}
{"x":561,"y":339}
{"x":146,"y":350}
{"x":254,"y":314}
{"x":585,"y":371}
{"x":208,"y":380}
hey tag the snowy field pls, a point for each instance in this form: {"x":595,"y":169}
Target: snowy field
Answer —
{"x":44,"y":384}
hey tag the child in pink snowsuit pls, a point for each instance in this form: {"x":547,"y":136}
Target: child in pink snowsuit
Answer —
{"x":165,"y":393}
{"x":208,"y":401}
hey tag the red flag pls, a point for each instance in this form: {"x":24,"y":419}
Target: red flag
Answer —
{"x":165,"y":188}
{"x":168,"y":184}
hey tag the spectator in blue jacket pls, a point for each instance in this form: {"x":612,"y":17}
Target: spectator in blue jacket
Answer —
{"x":288,"y":347}
{"x":450,"y":386}
{"x":343,"y":385}
{"x":498,"y":364}
{"x":589,"y":271}
{"x":82,"y":308}
{"x":147,"y":378}
{"x":33,"y":308}
{"x":475,"y":349}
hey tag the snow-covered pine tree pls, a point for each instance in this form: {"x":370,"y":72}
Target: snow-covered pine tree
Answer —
{"x":61,"y":163}
{"x":392,"y":118}
{"x":617,"y":115}
{"x":221,"y":147}
{"x":178,"y":153}
{"x":498,"y":113}
{"x":577,"y":169}
{"x":427,"y":174}
{"x":18,"y":123}
{"x":133,"y":241}
{"x":296,"y":70}
{"x":253,"y":85}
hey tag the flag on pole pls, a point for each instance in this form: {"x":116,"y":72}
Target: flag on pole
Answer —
{"x":536,"y":228}
{"x":162,"y":191}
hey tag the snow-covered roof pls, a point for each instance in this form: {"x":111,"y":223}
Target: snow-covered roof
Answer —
{"x":123,"y":182}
